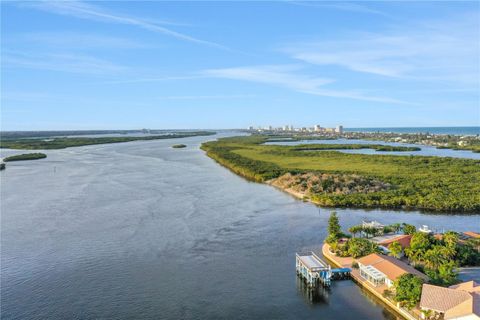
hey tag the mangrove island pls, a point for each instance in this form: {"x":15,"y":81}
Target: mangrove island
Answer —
{"x":25,"y":156}
{"x":336,"y":179}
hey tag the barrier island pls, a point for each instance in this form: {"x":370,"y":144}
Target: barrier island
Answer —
{"x":63,"y":142}
{"x":336,"y":179}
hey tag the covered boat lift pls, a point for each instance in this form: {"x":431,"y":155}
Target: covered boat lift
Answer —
{"x":313,"y":269}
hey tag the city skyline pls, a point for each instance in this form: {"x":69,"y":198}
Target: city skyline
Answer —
{"x":114,"y":65}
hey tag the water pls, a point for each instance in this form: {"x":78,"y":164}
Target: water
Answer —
{"x":474,"y":130}
{"x":425,"y":150}
{"x":142,"y":231}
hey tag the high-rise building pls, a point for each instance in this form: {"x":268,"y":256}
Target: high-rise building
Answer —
{"x":317,"y":128}
{"x":339,"y":129}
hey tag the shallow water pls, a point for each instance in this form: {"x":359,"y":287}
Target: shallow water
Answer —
{"x":425,"y":150}
{"x":141,"y":230}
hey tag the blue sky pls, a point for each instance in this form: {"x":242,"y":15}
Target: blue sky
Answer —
{"x":127,"y":65}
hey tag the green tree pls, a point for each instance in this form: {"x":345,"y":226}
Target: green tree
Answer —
{"x":447,"y":273}
{"x":370,"y":231}
{"x":359,"y":247}
{"x":450,"y":238}
{"x":475,"y":243}
{"x":420,"y":243}
{"x":434,"y":257}
{"x":444,"y":275}
{"x":334,"y":225}
{"x":395,"y":249}
{"x":354,"y":230}
{"x":408,"y":228}
{"x":396,"y":227}
{"x":467,"y":255}
{"x":408,"y":289}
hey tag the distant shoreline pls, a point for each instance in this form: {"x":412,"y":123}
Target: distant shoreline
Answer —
{"x":62,"y":143}
{"x":464,"y":130}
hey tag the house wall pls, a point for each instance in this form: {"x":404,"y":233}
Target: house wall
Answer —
{"x":389,"y":282}
{"x":469,"y":317}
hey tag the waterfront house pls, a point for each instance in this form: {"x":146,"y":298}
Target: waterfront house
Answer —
{"x":374,"y":225}
{"x":458,"y":302}
{"x":379,"y":269}
{"x":386,"y":240}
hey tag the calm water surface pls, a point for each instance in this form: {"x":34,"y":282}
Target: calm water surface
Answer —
{"x":141,"y":230}
{"x":425,"y":150}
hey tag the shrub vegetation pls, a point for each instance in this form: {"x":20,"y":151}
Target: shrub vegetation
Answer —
{"x":25,"y":156}
{"x":414,"y":182}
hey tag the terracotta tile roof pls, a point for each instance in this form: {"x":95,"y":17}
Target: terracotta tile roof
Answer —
{"x":469,"y":286}
{"x":456,"y":301}
{"x":403,"y":239}
{"x":370,"y":259}
{"x":389,"y":266}
{"x":472,"y":234}
{"x":441,"y":299}
{"x":470,"y":307}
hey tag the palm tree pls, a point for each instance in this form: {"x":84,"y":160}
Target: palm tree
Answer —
{"x":450,"y":239}
{"x":355,"y":229}
{"x":396,"y":227}
{"x":395,"y":249}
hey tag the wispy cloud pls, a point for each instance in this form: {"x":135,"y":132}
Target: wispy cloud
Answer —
{"x":72,"y":63}
{"x":343,"y":6}
{"x":277,"y":75}
{"x":288,"y":77}
{"x":446,"y":51}
{"x":89,"y":11}
{"x":151,"y":79}
{"x":208,"y":97}
{"x":63,"y":39}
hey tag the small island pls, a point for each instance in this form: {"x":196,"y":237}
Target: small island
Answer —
{"x":25,"y":156}
{"x":178,"y":146}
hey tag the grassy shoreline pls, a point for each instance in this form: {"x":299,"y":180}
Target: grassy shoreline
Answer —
{"x":415,"y":182}
{"x":61,"y":143}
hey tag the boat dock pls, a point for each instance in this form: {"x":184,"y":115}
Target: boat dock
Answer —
{"x":315,"y":271}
